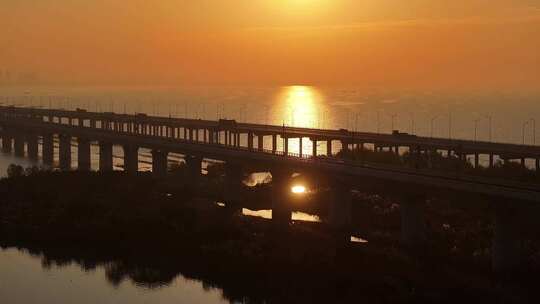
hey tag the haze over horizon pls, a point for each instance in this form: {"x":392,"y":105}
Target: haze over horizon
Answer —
{"x":474,"y":44}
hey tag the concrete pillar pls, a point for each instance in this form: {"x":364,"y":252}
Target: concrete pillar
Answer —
{"x":84,"y":160}
{"x":491,"y":160}
{"x":19,"y":145}
{"x":344,"y":145}
{"x":523,"y":162}
{"x":211,"y":136}
{"x":413,"y":226}
{"x":159,"y":163}
{"x":6,"y":143}
{"x":281,"y":192}
{"x":250,"y":141}
{"x":507,"y":250}
{"x":476,"y":160}
{"x":329,"y":148}
{"x":105,"y":156}
{"x":48,"y":149}
{"x":340,"y":212}
{"x":32,"y":142}
{"x":64,"y":153}
{"x":260,"y":142}
{"x":233,"y":186}
{"x":194,"y":166}
{"x":300,"y":146}
{"x":274,"y":143}
{"x":286,"y":146}
{"x":237,"y":139}
{"x":131,"y":159}
{"x":538,"y":165}
{"x":314,"y":147}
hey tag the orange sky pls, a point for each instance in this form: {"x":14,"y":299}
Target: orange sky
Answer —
{"x":415,"y":43}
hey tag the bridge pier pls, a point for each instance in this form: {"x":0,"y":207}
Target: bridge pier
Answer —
{"x":65,"y":152}
{"x":84,"y":162}
{"x":476,"y":160}
{"x":233,"y":187}
{"x":48,"y":149}
{"x":538,"y":165}
{"x":6,"y":142}
{"x":274,"y":143}
{"x":329,"y":148}
{"x":159,"y":163}
{"x":19,"y":145}
{"x":260,"y":142}
{"x":105,"y":156}
{"x":314,"y":147}
{"x":340,"y":212}
{"x":250,"y":140}
{"x":131,"y":159}
{"x":281,"y":209}
{"x":413,"y":225}
{"x":194,"y":166}
{"x":33,"y":146}
{"x":491,"y":160}
{"x":507,"y":250}
{"x":286,"y":145}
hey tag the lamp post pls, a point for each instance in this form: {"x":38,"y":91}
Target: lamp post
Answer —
{"x":412,"y":122}
{"x":476,"y":129}
{"x":431,"y":125}
{"x":393,"y":120}
{"x":523,"y":127}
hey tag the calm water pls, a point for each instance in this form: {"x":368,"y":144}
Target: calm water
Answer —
{"x":28,"y":279}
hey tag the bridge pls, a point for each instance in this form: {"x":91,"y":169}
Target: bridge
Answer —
{"x":237,"y":144}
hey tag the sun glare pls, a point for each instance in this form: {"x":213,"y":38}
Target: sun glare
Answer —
{"x":298,"y":189}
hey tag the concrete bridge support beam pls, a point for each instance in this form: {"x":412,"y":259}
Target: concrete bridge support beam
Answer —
{"x":19,"y":145}
{"x":233,"y":187}
{"x":491,"y":160}
{"x":131,"y":159}
{"x":340,"y":212}
{"x":33,"y":147}
{"x":507,"y":250}
{"x":48,"y":149}
{"x":6,"y":143}
{"x":83,"y":154}
{"x":159,"y":163}
{"x":65,"y":152}
{"x":274,"y":143}
{"x":250,"y":141}
{"x":105,"y":156}
{"x":329,"y":148}
{"x":194,"y":167}
{"x":413,"y":225}
{"x":314,"y":147}
{"x":538,"y":165}
{"x":260,"y":142}
{"x":281,"y":192}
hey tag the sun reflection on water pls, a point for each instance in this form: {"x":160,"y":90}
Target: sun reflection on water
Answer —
{"x":301,"y":106}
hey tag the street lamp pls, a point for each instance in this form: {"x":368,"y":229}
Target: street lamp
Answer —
{"x":431,"y":125}
{"x":524,"y":126}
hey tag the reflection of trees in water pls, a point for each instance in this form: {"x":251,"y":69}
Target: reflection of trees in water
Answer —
{"x":150,"y":272}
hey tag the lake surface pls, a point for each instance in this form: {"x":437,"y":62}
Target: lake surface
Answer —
{"x":28,"y":279}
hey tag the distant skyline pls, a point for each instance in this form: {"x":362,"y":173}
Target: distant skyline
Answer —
{"x":469,"y":44}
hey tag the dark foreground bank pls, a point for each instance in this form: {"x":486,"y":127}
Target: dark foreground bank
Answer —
{"x":151,"y":230}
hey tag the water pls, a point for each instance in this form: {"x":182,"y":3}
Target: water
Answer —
{"x":30,"y":279}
